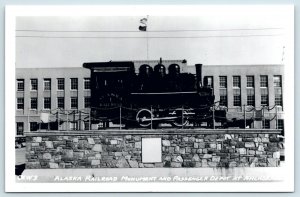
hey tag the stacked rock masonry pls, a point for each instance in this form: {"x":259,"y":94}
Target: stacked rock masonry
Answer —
{"x":178,"y":150}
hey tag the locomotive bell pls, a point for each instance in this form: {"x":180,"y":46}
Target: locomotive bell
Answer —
{"x":160,"y":70}
{"x":174,"y":69}
{"x":145,"y":70}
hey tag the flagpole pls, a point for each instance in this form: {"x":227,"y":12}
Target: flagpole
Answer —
{"x":58,"y":119}
{"x":28,"y":122}
{"x":143,"y":27}
{"x":282,"y":57}
{"x":147,"y":39}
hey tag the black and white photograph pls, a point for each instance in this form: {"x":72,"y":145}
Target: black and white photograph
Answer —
{"x":149,"y":98}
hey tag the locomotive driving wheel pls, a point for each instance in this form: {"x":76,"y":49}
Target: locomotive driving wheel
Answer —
{"x":143,"y":117}
{"x":180,"y":121}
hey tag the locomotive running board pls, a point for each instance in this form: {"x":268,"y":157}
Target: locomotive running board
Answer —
{"x":185,"y":113}
{"x":193,"y":92}
{"x":163,"y":118}
{"x":155,"y":119}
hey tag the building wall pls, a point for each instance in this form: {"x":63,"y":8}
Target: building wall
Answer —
{"x":27,"y":115}
{"x":243,"y":71}
{"x":176,"y":149}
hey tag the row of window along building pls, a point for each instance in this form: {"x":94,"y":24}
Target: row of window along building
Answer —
{"x":46,"y":86}
{"x":236,"y":87}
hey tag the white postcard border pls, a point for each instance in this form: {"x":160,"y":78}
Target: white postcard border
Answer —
{"x":287,"y":185}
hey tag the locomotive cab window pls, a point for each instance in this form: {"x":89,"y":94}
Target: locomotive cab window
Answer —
{"x":208,"y":81}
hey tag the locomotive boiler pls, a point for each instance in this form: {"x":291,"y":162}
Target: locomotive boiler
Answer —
{"x":152,"y":96}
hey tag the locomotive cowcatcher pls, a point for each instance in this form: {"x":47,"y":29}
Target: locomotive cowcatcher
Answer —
{"x":150,"y":97}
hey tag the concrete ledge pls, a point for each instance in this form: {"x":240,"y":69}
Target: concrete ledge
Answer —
{"x":155,"y":131}
{"x":246,"y":174}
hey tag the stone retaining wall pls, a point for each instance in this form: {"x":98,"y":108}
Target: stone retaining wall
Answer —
{"x":180,"y":148}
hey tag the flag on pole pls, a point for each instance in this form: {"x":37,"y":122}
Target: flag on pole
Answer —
{"x":143,"y":24}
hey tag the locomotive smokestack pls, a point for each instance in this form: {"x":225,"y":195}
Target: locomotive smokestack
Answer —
{"x":198,"y":75}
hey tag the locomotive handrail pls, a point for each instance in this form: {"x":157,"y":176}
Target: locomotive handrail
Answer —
{"x":106,"y":108}
{"x":191,"y":92}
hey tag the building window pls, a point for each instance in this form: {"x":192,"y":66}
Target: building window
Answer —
{"x":47,"y":103}
{"x":87,"y":83}
{"x":236,"y":81}
{"x":74,"y":102}
{"x":223,"y":82}
{"x":250,"y":97}
{"x":264,"y":96}
{"x":266,"y":124}
{"x":280,"y":124}
{"x":20,"y":128}
{"x":20,"y":103}
{"x":20,"y":84}
{"x":236,"y":97}
{"x":86,"y":126}
{"x":278,"y":90}
{"x":236,"y":90}
{"x":250,"y":91}
{"x":264,"y":81}
{"x":74,"y":84}
{"x":47,"y":84}
{"x":60,"y":84}
{"x":73,"y":125}
{"x":223,"y":97}
{"x":277,"y":81}
{"x":250,"y":81}
{"x":278,"y":97}
{"x":87,"y":102}
{"x":33,"y":103}
{"x":33,"y":126}
{"x":208,"y":81}
{"x":278,"y":100}
{"x":264,"y":90}
{"x":61,"y":102}
{"x":33,"y":84}
{"x":223,"y":90}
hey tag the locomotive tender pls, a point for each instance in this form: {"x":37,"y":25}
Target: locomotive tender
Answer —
{"x":152,"y":96}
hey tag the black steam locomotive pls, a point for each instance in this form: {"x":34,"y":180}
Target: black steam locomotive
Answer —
{"x":151,"y":97}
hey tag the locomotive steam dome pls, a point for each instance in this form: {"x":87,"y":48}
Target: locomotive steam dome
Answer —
{"x":174,"y":69}
{"x":160,"y":70}
{"x":145,"y":70}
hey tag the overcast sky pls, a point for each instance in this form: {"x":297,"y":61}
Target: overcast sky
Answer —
{"x":211,"y":39}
